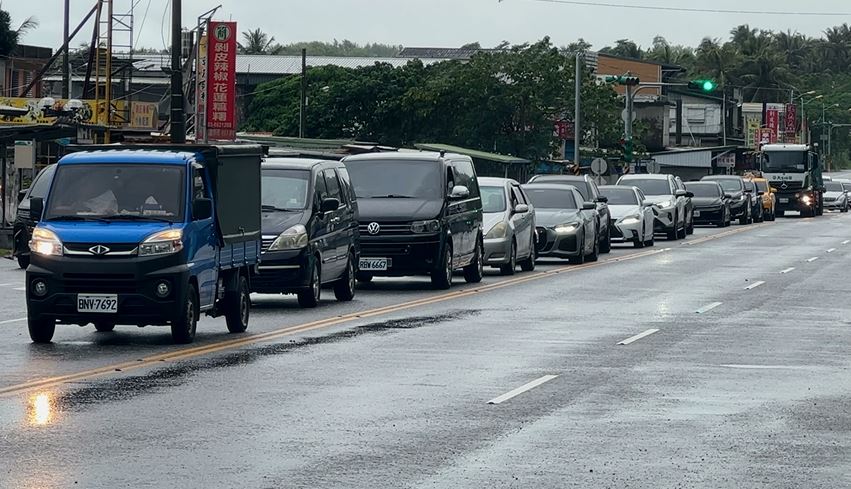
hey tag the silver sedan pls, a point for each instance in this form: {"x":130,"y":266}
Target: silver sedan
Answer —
{"x":509,"y":221}
{"x":632,"y":214}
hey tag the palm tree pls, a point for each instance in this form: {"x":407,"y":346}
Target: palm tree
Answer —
{"x":836,"y":48}
{"x":9,"y":37}
{"x":257,"y":42}
{"x":797,"y":49}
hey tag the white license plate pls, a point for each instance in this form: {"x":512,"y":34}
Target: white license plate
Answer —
{"x":97,"y":303}
{"x":374,"y":264}
{"x":783,"y":200}
{"x":696,"y":213}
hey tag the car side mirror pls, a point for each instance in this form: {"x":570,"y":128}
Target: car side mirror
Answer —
{"x":459,"y":192}
{"x":603,"y":199}
{"x":328,"y":205}
{"x":647,"y":203}
{"x":760,"y":193}
{"x":689,"y":194}
{"x":728,"y":196}
{"x":772,"y":190}
{"x":22,"y":194}
{"x":521,"y":209}
{"x":748,"y":191}
{"x":589,"y":206}
{"x":680,"y":193}
{"x":202,"y":209}
{"x":36,"y":208}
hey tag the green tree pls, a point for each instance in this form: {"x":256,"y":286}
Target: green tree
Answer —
{"x":624,"y":48}
{"x":257,"y":42}
{"x":10,"y":36}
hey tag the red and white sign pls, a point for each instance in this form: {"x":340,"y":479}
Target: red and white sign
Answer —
{"x":763,"y":136}
{"x":791,"y":121}
{"x":220,"y":104}
{"x":564,"y":130}
{"x":772,"y":123}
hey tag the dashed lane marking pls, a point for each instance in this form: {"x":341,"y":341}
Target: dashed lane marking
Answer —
{"x":9,"y":321}
{"x":831,"y":250}
{"x":755,"y":285}
{"x":787,"y":270}
{"x":708,"y":307}
{"x":846,"y":241}
{"x":633,"y":339}
{"x":520,"y":390}
{"x":810,"y":260}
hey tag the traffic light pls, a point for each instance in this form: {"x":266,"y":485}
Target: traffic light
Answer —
{"x":627,"y":146}
{"x":707,"y":86}
{"x":624,"y":80}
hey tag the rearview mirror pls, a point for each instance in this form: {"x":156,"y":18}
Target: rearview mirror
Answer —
{"x":202,"y":209}
{"x":588,"y":206}
{"x":36,"y":208}
{"x":459,"y":192}
{"x":22,"y":194}
{"x":521,"y":209}
{"x":680,"y":193}
{"x":603,"y":199}
{"x":328,"y":205}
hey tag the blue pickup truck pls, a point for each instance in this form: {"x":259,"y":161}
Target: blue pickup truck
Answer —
{"x":146,"y":235}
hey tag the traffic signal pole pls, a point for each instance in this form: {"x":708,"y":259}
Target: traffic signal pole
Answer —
{"x":577,"y":128}
{"x":178,"y":113}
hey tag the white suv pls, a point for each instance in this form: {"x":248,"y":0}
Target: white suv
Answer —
{"x":670,"y":203}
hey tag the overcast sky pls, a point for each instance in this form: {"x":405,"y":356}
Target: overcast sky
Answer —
{"x":446,"y":23}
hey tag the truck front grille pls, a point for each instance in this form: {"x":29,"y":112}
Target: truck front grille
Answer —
{"x":108,"y":283}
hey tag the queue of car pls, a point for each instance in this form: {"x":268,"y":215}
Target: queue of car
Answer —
{"x":330,"y":224}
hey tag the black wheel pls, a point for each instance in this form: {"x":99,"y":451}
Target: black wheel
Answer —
{"x":595,"y":253}
{"x":674,"y":233}
{"x":310,"y":296}
{"x":690,"y":228}
{"x":528,"y":265}
{"x":510,"y":267}
{"x":238,"y":306}
{"x":580,"y":258}
{"x":104,"y":326}
{"x":344,"y":289}
{"x":41,"y":330}
{"x":651,"y":241}
{"x":638,"y":243}
{"x":475,"y":271}
{"x":745,"y":219}
{"x":606,"y":241}
{"x":23,"y":261}
{"x":364,"y":277}
{"x":441,"y":276}
{"x":183,"y":328}
{"x":682,"y":233}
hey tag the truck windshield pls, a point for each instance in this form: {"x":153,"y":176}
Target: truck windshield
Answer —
{"x":784,"y":162}
{"x":284,"y":189}
{"x":396,"y":179}
{"x":116,"y":192}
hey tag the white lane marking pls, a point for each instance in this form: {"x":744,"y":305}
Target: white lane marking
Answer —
{"x":5,"y":285}
{"x":708,"y":307}
{"x":22,"y":289}
{"x":633,"y":339}
{"x":761,"y":367}
{"x":831,"y":250}
{"x":787,"y":270}
{"x":810,"y":260}
{"x":755,"y":285}
{"x":13,"y":320}
{"x":520,"y":390}
{"x":846,"y":241}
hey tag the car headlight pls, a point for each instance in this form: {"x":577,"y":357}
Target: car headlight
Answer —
{"x":162,"y":243}
{"x":294,"y":238}
{"x":425,"y":227}
{"x":497,"y":231}
{"x":631,"y":220}
{"x":567,"y":227}
{"x":665,"y":203}
{"x":45,"y":242}
{"x":742,"y":197}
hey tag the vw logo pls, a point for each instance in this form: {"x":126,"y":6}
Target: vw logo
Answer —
{"x":373,"y":228}
{"x":99,"y":250}
{"x":784,"y":186}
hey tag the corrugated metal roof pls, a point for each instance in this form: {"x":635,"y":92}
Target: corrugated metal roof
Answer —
{"x":473,"y":153}
{"x":690,"y":159}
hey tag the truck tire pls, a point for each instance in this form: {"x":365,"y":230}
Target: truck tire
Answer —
{"x":309,"y":297}
{"x":441,"y":275}
{"x":344,"y":289}
{"x":183,"y":327}
{"x":41,"y":330}
{"x":475,"y":271}
{"x":23,"y":261}
{"x":238,"y":306}
{"x":104,"y":326}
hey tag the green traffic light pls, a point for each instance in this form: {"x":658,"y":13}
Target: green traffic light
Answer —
{"x":708,"y":86}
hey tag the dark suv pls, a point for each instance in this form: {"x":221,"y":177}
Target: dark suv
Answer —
{"x":420,"y":214}
{"x":741,"y":201}
{"x":588,"y":188}
{"x":24,"y":224}
{"x":310,"y":230}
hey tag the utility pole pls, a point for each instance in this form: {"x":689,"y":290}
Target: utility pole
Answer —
{"x":577,"y":126}
{"x":723,"y":112}
{"x":66,"y":60}
{"x":178,"y":114}
{"x":302,"y":108}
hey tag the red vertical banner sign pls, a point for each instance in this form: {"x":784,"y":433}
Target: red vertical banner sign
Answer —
{"x":791,"y":122}
{"x":220,"y":109}
{"x":772,"y":122}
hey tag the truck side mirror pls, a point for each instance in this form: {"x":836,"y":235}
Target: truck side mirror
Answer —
{"x":202,"y":209}
{"x":328,"y":205}
{"x":36,"y":208}
{"x":22,"y":194}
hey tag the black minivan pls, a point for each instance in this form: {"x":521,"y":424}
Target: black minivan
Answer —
{"x":24,"y":223}
{"x":310,"y":230}
{"x":420,"y":214}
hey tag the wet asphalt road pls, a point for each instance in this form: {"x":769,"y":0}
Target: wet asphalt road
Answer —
{"x":752,"y":391}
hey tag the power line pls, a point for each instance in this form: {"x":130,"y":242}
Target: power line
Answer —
{"x":142,"y":26}
{"x":693,"y":10}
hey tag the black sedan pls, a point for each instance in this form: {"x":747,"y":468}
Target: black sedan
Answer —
{"x":711,"y":203}
{"x":566,"y":224}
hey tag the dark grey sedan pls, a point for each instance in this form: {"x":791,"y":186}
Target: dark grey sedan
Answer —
{"x":566,"y":224}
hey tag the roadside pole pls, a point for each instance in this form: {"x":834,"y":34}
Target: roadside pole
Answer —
{"x":577,"y":125}
{"x":178,"y":114}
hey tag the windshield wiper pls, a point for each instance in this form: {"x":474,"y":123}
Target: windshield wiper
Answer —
{"x":278,"y":209}
{"x":392,"y":196}
{"x":133,"y":217}
{"x":74,"y":217}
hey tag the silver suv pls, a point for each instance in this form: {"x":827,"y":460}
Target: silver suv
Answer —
{"x":670,"y":203}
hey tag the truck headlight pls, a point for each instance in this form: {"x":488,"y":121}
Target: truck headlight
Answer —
{"x":162,"y":243}
{"x":807,"y":200}
{"x":294,"y":238}
{"x":498,"y":231}
{"x":630,"y":220}
{"x":45,"y":242}
{"x":567,"y":227}
{"x":425,"y":227}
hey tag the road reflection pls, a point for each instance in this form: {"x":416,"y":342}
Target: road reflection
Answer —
{"x":41,"y":409}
